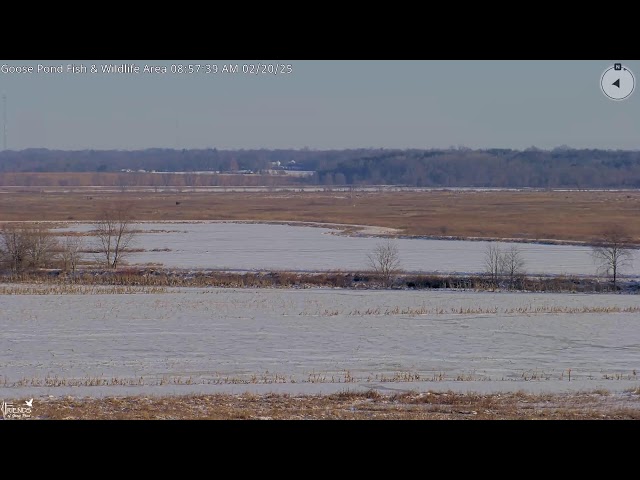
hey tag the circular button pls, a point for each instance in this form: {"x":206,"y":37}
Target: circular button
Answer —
{"x":617,"y":82}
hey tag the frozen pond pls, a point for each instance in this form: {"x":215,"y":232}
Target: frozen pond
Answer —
{"x":238,"y":246}
{"x":286,"y":340}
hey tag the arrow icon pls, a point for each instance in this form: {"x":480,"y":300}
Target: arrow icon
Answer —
{"x":617,"y":82}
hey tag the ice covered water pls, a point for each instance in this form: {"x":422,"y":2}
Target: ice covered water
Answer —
{"x":238,"y":246}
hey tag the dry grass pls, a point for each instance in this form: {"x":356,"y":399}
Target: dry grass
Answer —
{"x":78,"y":289}
{"x":271,"y":378}
{"x":147,"y":276}
{"x":576,"y":216}
{"x":524,"y":310}
{"x":348,"y":405}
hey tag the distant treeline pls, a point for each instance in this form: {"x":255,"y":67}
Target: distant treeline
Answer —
{"x":500,"y":168}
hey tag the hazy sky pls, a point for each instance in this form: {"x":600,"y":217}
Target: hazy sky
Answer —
{"x":322,"y":104}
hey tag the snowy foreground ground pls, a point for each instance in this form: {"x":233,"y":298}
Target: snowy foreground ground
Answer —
{"x":316,"y":341}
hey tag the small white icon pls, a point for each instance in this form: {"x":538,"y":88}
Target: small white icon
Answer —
{"x":617,"y":82}
{"x":29,"y":403}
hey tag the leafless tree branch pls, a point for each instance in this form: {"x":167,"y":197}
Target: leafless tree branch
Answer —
{"x":115,"y":234}
{"x":385,"y":261}
{"x":613,"y":252}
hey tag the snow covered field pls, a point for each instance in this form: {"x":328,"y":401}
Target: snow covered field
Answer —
{"x":199,"y":341}
{"x":238,"y":246}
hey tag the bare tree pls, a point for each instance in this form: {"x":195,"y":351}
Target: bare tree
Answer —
{"x":123,"y":182}
{"x":493,"y":263}
{"x":71,"y":253}
{"x":613,"y":252}
{"x":385,"y":261}
{"x":27,"y":246}
{"x":167,"y":179}
{"x":190,"y":179}
{"x":115,"y":234}
{"x":500,"y":264}
{"x":13,"y":247}
{"x":512,"y":264}
{"x":42,"y":246}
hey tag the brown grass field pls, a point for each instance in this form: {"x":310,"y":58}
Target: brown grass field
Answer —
{"x":575,"y":215}
{"x":349,"y":406}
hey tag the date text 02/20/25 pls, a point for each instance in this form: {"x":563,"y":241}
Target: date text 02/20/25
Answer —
{"x":247,"y":68}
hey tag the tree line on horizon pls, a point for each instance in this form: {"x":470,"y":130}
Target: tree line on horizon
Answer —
{"x":460,"y":167}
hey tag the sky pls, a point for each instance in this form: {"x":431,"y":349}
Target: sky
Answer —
{"x":320,"y":105}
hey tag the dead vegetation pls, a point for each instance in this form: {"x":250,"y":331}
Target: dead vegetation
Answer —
{"x":348,"y":405}
{"x":314,"y":377}
{"x":160,"y":277}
